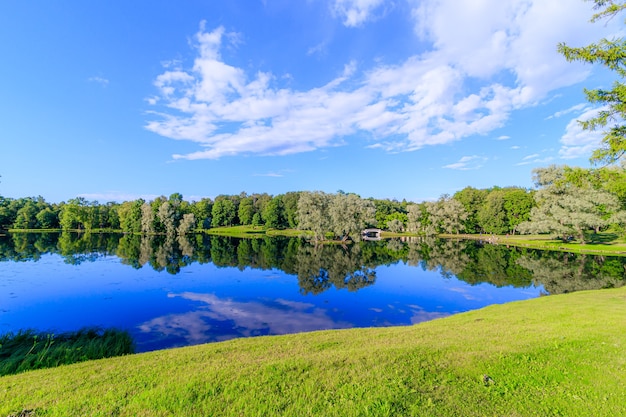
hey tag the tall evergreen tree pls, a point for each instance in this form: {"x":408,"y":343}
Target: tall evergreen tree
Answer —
{"x":610,"y":53}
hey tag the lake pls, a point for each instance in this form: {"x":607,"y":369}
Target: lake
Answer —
{"x":185,"y":291}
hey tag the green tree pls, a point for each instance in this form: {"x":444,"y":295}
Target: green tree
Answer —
{"x":290,"y":205}
{"x":387,"y":210}
{"x":130,"y":216}
{"x":395,"y":222}
{"x":492,"y":215}
{"x":202,"y":211}
{"x":223,"y":212}
{"x":472,"y":200}
{"x":610,"y":53}
{"x":246,"y":210}
{"x":7,"y":216}
{"x":179,"y":207}
{"x":273,"y":213}
{"x":74,"y":215}
{"x":611,"y":179}
{"x":48,"y":218}
{"x":260,"y":200}
{"x":517,"y":204}
{"x":26,"y":217}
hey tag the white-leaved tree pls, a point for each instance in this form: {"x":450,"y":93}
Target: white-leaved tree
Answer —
{"x":312,"y":213}
{"x":447,"y":215}
{"x":147,"y":219}
{"x":343,"y":215}
{"x":349,"y":215}
{"x":187,"y":224}
{"x":166,"y":216}
{"x":565,"y":209}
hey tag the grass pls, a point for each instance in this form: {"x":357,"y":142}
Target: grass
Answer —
{"x":552,"y":356}
{"x":237,"y":231}
{"x":601,"y":243}
{"x":386,"y":234}
{"x":26,"y":350}
{"x":58,"y":230}
{"x":253,"y":231}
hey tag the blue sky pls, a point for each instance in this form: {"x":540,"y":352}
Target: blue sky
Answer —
{"x":116,"y":100}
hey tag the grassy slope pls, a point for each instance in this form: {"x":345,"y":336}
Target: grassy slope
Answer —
{"x":556,"y":355}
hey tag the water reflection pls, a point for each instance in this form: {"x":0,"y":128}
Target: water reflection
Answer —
{"x":225,"y":318}
{"x":322,"y":267}
{"x":196,"y":289}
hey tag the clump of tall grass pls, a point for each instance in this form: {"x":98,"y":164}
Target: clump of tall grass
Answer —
{"x":26,"y":350}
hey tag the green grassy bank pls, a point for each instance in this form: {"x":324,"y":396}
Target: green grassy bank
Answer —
{"x":600,"y":244}
{"x":551,"y":356}
{"x":252,"y":231}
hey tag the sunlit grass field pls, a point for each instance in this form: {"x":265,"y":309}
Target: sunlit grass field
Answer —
{"x":556,"y":355}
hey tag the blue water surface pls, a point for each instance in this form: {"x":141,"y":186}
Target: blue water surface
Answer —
{"x":205,"y":303}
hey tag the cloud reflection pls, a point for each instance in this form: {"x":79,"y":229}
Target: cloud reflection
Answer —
{"x":222,"y":319}
{"x":465,"y":293}
{"x":420,"y":315}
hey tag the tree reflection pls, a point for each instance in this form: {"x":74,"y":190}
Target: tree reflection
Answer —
{"x":321,"y":267}
{"x":561,"y":273}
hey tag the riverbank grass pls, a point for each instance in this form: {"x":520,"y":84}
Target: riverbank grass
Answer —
{"x":555,"y":355}
{"x":27,"y":350}
{"x":602,"y":243}
{"x":237,"y":231}
{"x":253,"y":231}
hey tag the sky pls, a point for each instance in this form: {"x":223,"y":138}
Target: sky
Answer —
{"x":401,"y":99}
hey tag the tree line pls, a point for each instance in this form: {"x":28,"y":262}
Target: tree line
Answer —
{"x":566,"y":202}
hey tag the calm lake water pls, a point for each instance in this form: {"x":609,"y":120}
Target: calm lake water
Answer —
{"x":177,"y":292}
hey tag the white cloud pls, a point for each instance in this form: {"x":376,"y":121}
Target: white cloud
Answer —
{"x":518,"y":37}
{"x":536,"y":158}
{"x":269,"y":174}
{"x":99,"y":80}
{"x":355,"y":12}
{"x":320,"y":49}
{"x":515,"y":147}
{"x":579,"y":143}
{"x":574,"y":109}
{"x":467,"y":163}
{"x":487,"y":59}
{"x":504,"y":137}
